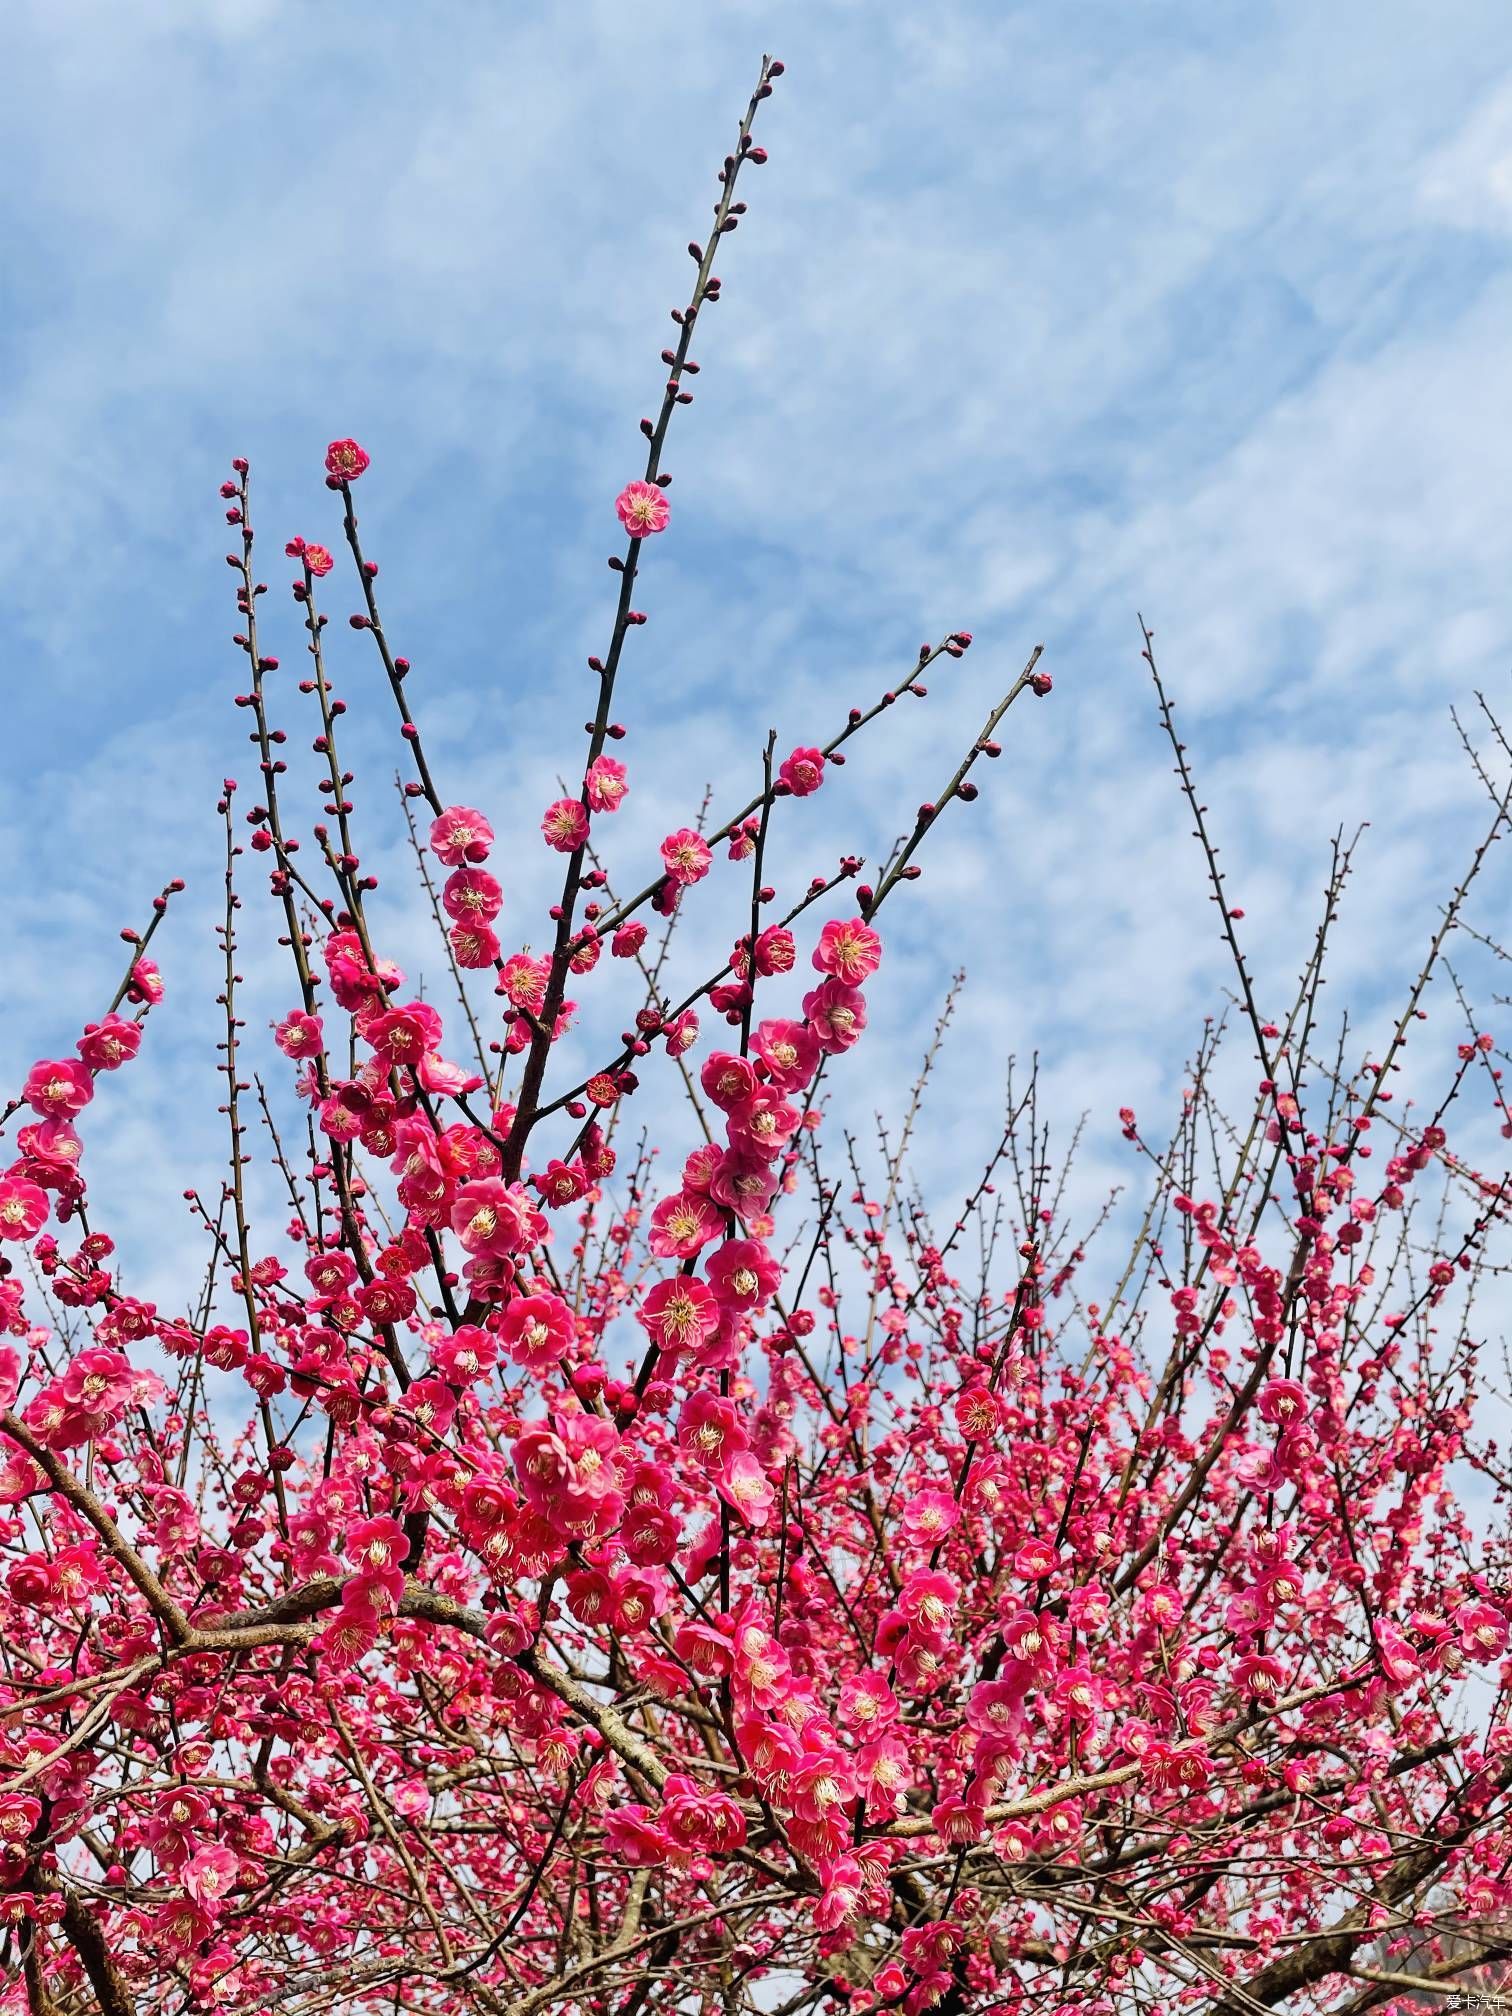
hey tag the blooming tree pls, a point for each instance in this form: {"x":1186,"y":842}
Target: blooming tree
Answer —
{"x":537,"y":1580}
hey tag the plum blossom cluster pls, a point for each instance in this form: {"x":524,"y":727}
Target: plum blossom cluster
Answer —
{"x":596,"y":1535}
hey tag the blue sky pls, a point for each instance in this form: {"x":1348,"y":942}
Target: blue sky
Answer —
{"x":1041,"y":315}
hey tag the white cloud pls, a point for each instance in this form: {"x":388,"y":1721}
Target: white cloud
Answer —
{"x":1028,"y":326}
{"x":1467,"y":182}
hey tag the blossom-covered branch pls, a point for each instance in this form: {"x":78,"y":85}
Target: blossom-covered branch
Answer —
{"x":520,"y":1573}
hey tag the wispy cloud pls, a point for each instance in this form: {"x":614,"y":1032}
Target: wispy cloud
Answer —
{"x":1039,"y":316}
